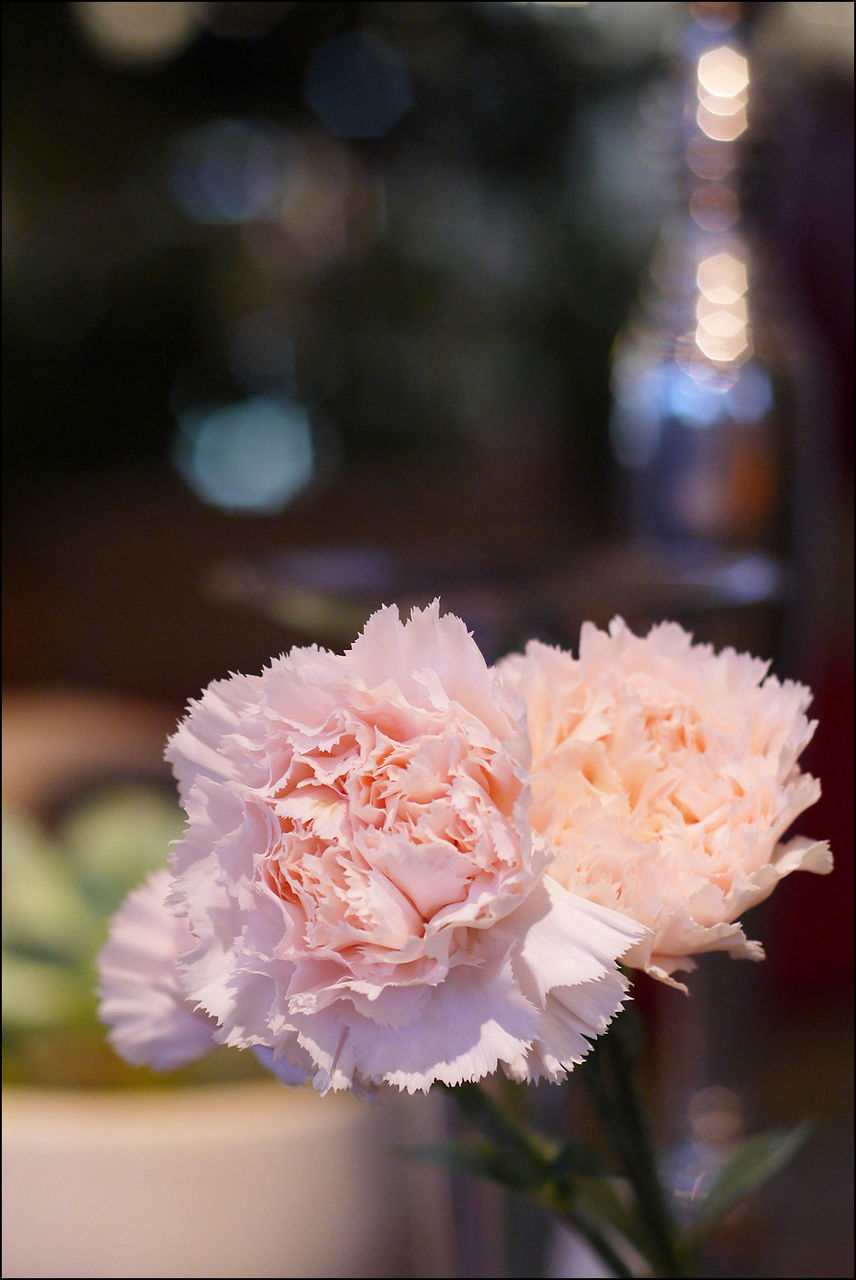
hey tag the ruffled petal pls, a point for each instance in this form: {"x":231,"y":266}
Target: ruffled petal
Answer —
{"x":141,"y":996}
{"x":664,"y":777}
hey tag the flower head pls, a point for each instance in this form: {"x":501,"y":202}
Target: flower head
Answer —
{"x":357,"y":876}
{"x":142,"y":999}
{"x":664,"y":778}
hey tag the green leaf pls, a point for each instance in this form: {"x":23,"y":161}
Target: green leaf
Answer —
{"x":753,"y":1164}
{"x":605,"y":1200}
{"x":577,"y":1158}
{"x":515,"y":1146}
{"x":607,"y":1218}
{"x":39,"y":994}
{"x":478,"y":1158}
{"x":116,"y":836}
{"x":43,"y":908}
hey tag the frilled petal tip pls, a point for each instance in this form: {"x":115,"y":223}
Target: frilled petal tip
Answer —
{"x":659,"y":962}
{"x":472,"y":1021}
{"x":568,"y":965}
{"x":151,"y":1021}
{"x":732,"y":939}
{"x":680,"y":935}
{"x":803,"y":854}
{"x":546,"y":985}
{"x":281,"y":1067}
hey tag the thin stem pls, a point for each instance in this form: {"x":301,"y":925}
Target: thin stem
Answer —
{"x":565,"y":1212}
{"x":527,"y":1164}
{"x":532,"y":1175}
{"x":617,"y":1098}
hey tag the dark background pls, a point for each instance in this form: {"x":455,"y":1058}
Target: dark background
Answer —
{"x":415,"y":230}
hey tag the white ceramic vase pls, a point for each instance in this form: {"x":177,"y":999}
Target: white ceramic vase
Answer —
{"x":250,"y":1179}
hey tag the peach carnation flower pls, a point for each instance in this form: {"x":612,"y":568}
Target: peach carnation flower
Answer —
{"x":357,"y":874}
{"x":664,"y":777}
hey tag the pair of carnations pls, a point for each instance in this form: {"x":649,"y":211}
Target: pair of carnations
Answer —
{"x":404,"y":866}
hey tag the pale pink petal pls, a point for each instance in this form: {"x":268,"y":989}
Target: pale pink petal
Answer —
{"x":357,"y":875}
{"x":282,"y":1068}
{"x":141,"y":996}
{"x":474,"y":1020}
{"x":566,"y":965}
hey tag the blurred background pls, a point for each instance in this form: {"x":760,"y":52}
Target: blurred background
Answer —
{"x":546,"y":309}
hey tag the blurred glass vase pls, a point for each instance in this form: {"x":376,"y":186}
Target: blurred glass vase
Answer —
{"x":706,"y":372}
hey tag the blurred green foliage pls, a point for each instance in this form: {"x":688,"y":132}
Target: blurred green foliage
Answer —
{"x":61,"y":883}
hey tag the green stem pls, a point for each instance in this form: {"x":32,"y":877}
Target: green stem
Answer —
{"x":526,"y":1163}
{"x":618,"y":1102}
{"x":526,"y":1155}
{"x":589,"y":1230}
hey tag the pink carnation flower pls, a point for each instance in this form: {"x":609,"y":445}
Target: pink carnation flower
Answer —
{"x":664,"y":777}
{"x":142,"y":998}
{"x":357,"y":872}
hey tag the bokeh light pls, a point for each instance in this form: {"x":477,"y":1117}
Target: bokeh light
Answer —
{"x":230,"y":171}
{"x":722,"y":127}
{"x":138,"y":35}
{"x":723,"y":81}
{"x":714,"y":206}
{"x":722,"y":331}
{"x":253,"y":456}
{"x":724,"y":73}
{"x":358,"y":85}
{"x":722,"y":278}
